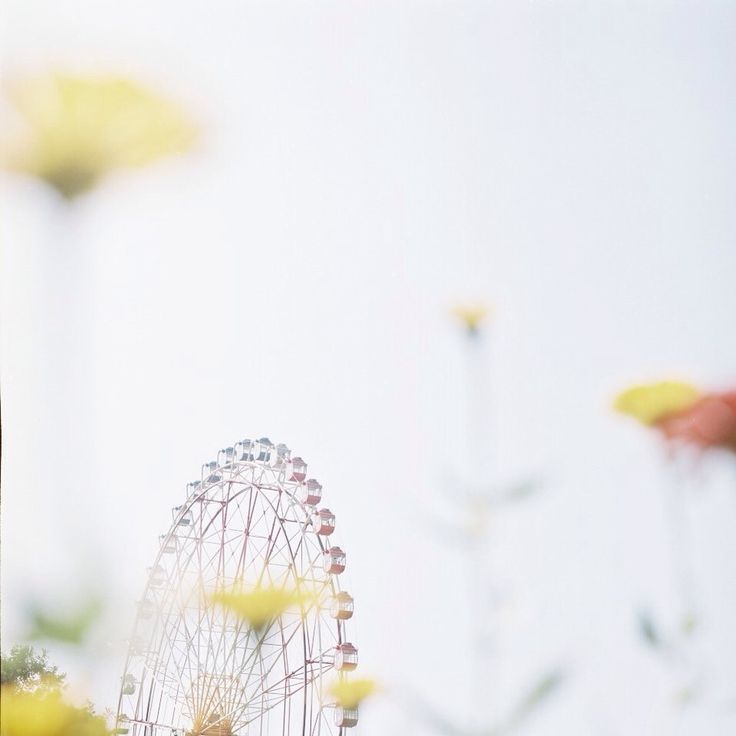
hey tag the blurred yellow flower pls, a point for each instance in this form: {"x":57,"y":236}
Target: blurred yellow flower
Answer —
{"x":45,"y":714}
{"x":650,"y":403}
{"x":351,"y":693}
{"x":262,"y":605}
{"x":79,"y":128}
{"x":471,"y":315}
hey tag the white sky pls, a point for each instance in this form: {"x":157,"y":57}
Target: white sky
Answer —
{"x":365,"y":166}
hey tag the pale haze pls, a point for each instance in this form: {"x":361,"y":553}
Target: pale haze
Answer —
{"x":364,"y":167}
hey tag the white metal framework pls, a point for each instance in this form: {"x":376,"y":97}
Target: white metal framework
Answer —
{"x":199,"y":670}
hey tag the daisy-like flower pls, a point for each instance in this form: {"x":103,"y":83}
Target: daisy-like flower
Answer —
{"x":709,"y":422}
{"x":652,"y":402}
{"x":76,"y":129}
{"x":260,"y":606}
{"x":45,"y":714}
{"x":350,"y":694}
{"x":471,"y":316}
{"x":683,"y":413}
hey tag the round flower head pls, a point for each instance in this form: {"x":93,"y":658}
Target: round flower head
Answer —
{"x":471,"y":316}
{"x":351,"y":693}
{"x":76,"y":129}
{"x":650,"y":403}
{"x":45,"y":714}
{"x":682,"y":413}
{"x":260,"y":606}
{"x":709,"y":422}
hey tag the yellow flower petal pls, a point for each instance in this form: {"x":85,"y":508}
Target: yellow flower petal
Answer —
{"x":350,"y":693}
{"x":262,"y":605}
{"x":471,"y":315}
{"x":45,"y":714}
{"x":77,"y":129}
{"x":649,"y":403}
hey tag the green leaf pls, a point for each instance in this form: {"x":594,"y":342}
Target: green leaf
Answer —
{"x":648,"y":630}
{"x":542,"y":689}
{"x":23,"y":669}
{"x":70,"y":629}
{"x":689,"y":623}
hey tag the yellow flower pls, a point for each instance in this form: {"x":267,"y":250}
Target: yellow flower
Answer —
{"x":471,"y":315}
{"x":45,"y":714}
{"x":649,"y":403}
{"x":262,"y":605}
{"x":351,"y":693}
{"x":79,"y":128}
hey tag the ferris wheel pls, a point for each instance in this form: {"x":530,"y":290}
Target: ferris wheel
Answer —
{"x":192,"y":669}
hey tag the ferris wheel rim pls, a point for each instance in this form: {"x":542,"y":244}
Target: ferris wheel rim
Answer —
{"x":307,"y":530}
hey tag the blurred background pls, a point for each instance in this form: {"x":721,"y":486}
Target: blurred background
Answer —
{"x":360,"y":170}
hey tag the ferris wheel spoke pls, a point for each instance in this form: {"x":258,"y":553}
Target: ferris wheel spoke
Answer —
{"x":280,"y":697}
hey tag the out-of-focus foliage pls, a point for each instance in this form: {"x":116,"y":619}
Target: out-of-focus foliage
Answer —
{"x":535,"y":696}
{"x":351,"y":693}
{"x":32,"y":700}
{"x":70,"y":629}
{"x":652,"y":634}
{"x":45,"y":713}
{"x":689,"y":624}
{"x":471,"y":316}
{"x":259,"y":607}
{"x":648,"y":629}
{"x":24,"y":669}
{"x":650,"y":403}
{"x":79,"y":128}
